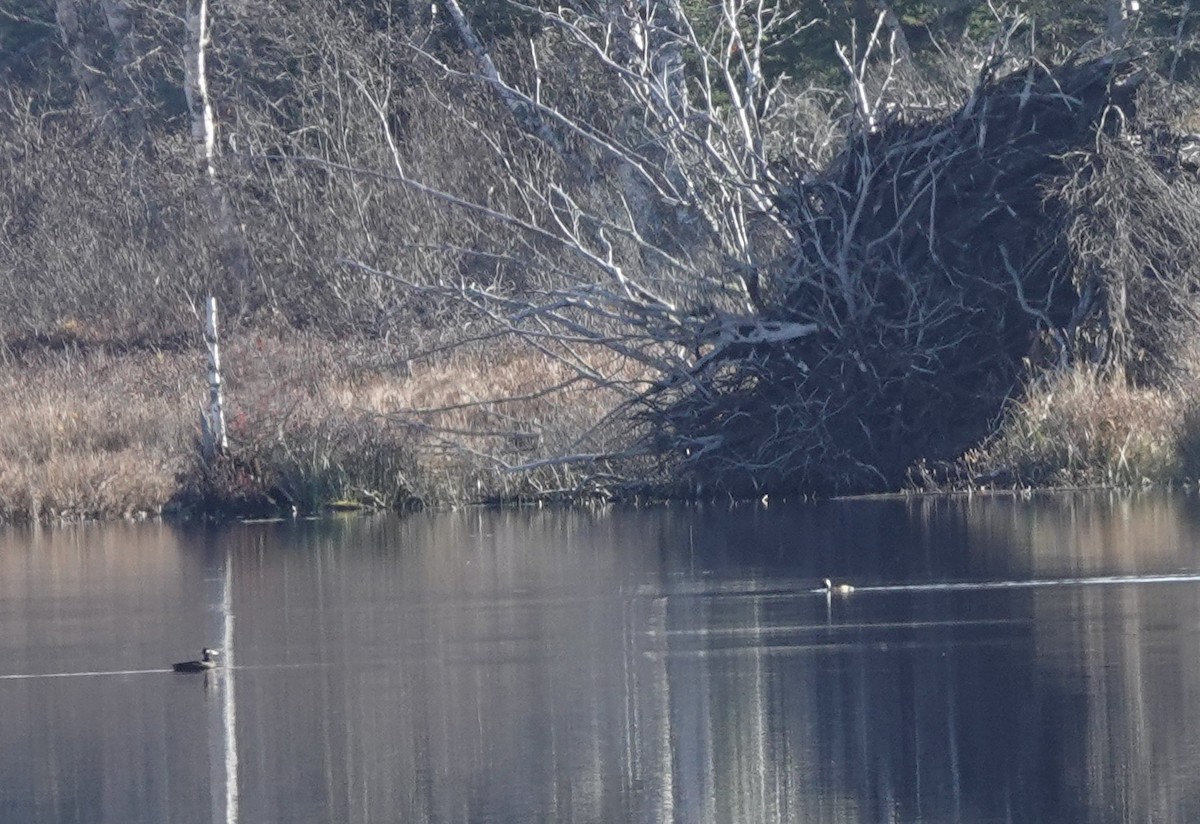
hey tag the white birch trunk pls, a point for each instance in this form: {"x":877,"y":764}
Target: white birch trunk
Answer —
{"x":669,"y":63}
{"x":214,"y":440}
{"x":641,"y":45}
{"x":204,"y":125}
{"x":234,"y":254}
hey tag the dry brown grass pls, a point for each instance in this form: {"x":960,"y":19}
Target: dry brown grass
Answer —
{"x":88,"y":433}
{"x":93,"y":435}
{"x":1080,"y":429}
{"x":339,"y":422}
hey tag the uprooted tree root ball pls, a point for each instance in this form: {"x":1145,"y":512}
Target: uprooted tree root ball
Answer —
{"x":940,"y":260}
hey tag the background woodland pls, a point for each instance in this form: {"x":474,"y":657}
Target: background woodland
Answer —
{"x":497,"y":250}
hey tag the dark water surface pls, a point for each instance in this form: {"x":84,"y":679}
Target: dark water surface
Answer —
{"x":666,"y":665}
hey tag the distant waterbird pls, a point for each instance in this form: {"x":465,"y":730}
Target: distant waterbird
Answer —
{"x":837,"y":589}
{"x":206,"y":662}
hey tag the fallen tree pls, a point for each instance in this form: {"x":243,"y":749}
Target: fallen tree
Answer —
{"x":808,"y":319}
{"x":947,"y":259}
{"x":935,"y":255}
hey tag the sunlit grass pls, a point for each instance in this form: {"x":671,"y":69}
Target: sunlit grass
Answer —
{"x":92,"y":435}
{"x":85,"y":433}
{"x":1081,"y":429}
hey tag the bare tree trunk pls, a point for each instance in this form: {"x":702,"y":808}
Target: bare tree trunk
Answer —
{"x":524,"y":111}
{"x":85,"y":63}
{"x":119,"y":17}
{"x":233,"y":252}
{"x":213,"y":441}
{"x":900,"y":47}
{"x":204,"y":127}
{"x":1119,"y":13}
{"x":647,"y":42}
{"x":632,"y":50}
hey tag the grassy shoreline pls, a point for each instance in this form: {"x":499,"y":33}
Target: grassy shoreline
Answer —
{"x":93,"y":432}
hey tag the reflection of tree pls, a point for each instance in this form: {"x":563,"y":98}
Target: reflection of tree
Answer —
{"x":1080,"y":534}
{"x":846,"y":722}
{"x":568,"y":667}
{"x":1113,"y":664}
{"x":1128,"y":659}
{"x":219,"y":689}
{"x":1048,"y":704}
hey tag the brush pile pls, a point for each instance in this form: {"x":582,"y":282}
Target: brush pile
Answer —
{"x":944,"y":259}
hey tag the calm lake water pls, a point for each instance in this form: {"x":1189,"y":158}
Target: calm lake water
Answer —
{"x":1000,"y":660}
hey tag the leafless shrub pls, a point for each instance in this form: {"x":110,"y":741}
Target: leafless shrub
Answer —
{"x":102,"y":233}
{"x":82,"y":242}
{"x":1134,"y":246}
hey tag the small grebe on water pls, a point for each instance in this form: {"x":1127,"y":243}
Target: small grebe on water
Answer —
{"x":837,"y":589}
{"x":205,"y":663}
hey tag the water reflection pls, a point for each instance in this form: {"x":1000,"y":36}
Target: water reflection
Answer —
{"x":223,"y":744}
{"x":674,"y":665}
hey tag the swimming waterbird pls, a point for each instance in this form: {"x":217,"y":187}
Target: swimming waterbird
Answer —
{"x":837,"y":589}
{"x":205,"y":663}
